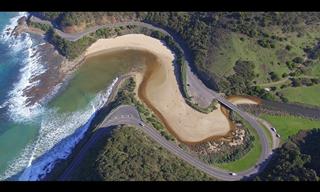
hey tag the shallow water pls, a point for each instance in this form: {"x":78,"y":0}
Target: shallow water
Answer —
{"x":96,"y":74}
{"x":37,"y":136}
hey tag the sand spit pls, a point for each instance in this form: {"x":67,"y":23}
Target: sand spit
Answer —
{"x":158,"y":88}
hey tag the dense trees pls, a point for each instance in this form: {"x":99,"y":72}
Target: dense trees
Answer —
{"x":297,"y":159}
{"x":202,"y":33}
{"x":240,"y":82}
{"x":129,"y":155}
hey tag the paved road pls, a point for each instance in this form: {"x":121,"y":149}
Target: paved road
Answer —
{"x":129,"y":115}
{"x":194,"y":81}
{"x":275,"y":139}
{"x":202,"y":90}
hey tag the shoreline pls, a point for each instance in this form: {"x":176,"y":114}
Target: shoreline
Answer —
{"x":206,"y":131}
{"x":157,"y":48}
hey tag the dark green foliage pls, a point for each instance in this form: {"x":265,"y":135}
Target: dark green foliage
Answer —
{"x":51,"y":16}
{"x":201,"y":32}
{"x":291,"y":65}
{"x":274,"y":76}
{"x":298,"y":60}
{"x":288,"y":47}
{"x":297,"y":82}
{"x":240,"y":82}
{"x":103,"y":33}
{"x":69,"y":49}
{"x":42,"y":26}
{"x":313,"y":53}
{"x":296,"y":160}
{"x":130,"y":155}
{"x":266,"y":43}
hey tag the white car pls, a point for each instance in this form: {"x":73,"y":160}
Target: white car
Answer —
{"x":141,"y":124}
{"x":233,"y":174}
{"x":278,"y":135}
{"x":273,"y":129}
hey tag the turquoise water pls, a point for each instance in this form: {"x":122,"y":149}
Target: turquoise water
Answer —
{"x":33,"y":138}
{"x":14,"y":136}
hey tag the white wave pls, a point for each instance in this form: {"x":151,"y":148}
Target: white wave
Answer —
{"x":23,"y":47}
{"x":18,"y":109}
{"x":58,"y":135}
{"x":6,"y":34}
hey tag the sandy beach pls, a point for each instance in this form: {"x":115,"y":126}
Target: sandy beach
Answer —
{"x":158,"y":88}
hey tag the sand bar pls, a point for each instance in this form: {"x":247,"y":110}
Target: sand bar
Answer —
{"x":160,"y":89}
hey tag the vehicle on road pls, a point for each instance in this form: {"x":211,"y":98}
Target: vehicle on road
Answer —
{"x":278,"y":135}
{"x":273,"y":129}
{"x":233,"y":174}
{"x":141,"y":124}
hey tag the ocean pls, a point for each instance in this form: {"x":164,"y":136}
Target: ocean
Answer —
{"x":33,"y":138}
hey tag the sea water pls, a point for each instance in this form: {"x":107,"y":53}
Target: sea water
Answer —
{"x":33,"y":138}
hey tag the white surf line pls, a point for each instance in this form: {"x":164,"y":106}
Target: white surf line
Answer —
{"x":37,"y":170}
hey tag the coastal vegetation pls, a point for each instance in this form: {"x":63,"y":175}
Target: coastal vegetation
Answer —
{"x":129,"y":155}
{"x":248,"y":154}
{"x":287,"y":125}
{"x":69,"y":49}
{"x":282,"y":46}
{"x":296,"y":160}
{"x":44,"y":27}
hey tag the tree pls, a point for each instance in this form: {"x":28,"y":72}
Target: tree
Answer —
{"x":298,"y":60}
{"x":274,"y":76}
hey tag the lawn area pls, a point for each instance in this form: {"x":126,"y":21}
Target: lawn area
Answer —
{"x":247,"y":160}
{"x":290,"y":125}
{"x":308,"y":95}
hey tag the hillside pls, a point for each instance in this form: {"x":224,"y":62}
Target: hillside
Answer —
{"x":283,"y":47}
{"x":129,"y":155}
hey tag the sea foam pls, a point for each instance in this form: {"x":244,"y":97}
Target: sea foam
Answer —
{"x":22,"y":46}
{"x":58,"y":135}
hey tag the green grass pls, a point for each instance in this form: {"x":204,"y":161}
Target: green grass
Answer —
{"x":290,"y":125}
{"x":247,"y":160}
{"x":308,"y":95}
{"x":233,"y":49}
{"x":230,"y":48}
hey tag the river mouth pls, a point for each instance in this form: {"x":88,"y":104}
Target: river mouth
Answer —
{"x":159,"y":90}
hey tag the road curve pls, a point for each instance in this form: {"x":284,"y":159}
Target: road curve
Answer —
{"x":128,"y":115}
{"x":220,"y":174}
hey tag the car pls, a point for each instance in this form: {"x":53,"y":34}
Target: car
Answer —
{"x":273,"y":129}
{"x":233,"y":174}
{"x":141,"y":124}
{"x":278,"y":135}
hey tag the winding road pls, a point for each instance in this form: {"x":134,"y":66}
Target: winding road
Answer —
{"x":129,"y":115}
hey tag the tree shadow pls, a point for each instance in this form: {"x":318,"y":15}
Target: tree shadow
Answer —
{"x":262,"y":166}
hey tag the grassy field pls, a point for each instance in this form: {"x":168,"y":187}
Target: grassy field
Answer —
{"x":247,"y":160}
{"x":231,"y":48}
{"x":290,"y":125}
{"x":265,"y":59}
{"x":308,"y":95}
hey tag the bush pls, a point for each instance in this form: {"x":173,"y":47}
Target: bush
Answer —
{"x":288,"y":47}
{"x":274,"y":76}
{"x":298,"y":60}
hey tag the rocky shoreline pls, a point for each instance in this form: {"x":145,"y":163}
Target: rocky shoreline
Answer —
{"x":58,"y":68}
